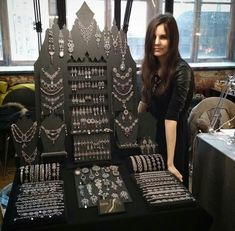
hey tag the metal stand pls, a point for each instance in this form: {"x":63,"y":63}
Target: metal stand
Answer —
{"x":223,"y":95}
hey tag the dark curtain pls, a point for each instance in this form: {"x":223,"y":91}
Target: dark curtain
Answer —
{"x":169,"y":6}
{"x":61,"y":9}
{"x":117,"y":13}
{"x":127,"y":15}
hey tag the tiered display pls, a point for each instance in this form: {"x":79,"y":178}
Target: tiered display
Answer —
{"x":85,"y":78}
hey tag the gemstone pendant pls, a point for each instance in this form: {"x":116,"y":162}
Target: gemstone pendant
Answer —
{"x":122,"y":66}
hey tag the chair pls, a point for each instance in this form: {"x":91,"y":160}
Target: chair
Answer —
{"x":201,"y":116}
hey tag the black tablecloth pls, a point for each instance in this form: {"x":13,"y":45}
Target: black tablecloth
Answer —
{"x":213,"y":179}
{"x":137,"y":215}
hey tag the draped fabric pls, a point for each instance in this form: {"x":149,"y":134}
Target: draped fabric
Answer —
{"x":61,"y":9}
{"x":117,"y":13}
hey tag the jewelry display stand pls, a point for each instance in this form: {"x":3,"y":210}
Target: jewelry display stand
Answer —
{"x":126,"y":127}
{"x":52,"y":133}
{"x":25,"y":138}
{"x":86,"y":77}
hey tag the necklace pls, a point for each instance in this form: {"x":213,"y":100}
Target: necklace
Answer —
{"x":123,"y":49}
{"x":122,"y":85}
{"x":51,"y":46}
{"x":52,"y":100}
{"x":123,"y":101}
{"x":48,"y":92}
{"x":51,"y":76}
{"x":52,"y":87}
{"x":98,"y":36}
{"x":23,"y":136}
{"x":126,"y":129}
{"x":52,"y":108}
{"x":115,"y":41}
{"x":121,"y":93}
{"x":107,"y":42}
{"x":61,"y":44}
{"x":86,"y":32}
{"x":70,"y":44}
{"x":53,"y":134}
{"x":29,"y":158}
{"x":122,"y":77}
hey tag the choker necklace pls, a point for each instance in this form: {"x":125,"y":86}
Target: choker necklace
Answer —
{"x":23,"y":136}
{"x":29,"y":158}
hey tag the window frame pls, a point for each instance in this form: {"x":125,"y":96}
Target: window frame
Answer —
{"x":230,"y":56}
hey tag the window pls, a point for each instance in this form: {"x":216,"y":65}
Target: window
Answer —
{"x":19,"y":31}
{"x":206,"y":27}
{"x":1,"y":51}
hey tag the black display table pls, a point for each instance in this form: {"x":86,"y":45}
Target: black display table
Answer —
{"x":137,"y":215}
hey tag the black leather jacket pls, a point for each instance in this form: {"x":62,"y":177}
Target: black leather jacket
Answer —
{"x":176,"y":100}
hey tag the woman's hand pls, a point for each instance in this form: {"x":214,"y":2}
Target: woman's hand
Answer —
{"x":141,"y":107}
{"x":175,"y":172}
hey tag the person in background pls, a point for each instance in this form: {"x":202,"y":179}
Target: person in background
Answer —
{"x":167,"y":91}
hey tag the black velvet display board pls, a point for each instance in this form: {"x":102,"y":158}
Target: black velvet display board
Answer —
{"x":137,"y":215}
{"x":25,"y":138}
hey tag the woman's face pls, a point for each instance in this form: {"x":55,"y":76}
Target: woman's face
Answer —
{"x":161,"y":42}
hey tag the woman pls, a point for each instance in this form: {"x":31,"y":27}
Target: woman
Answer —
{"x":167,"y":91}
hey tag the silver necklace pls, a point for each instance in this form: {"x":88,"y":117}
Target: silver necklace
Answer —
{"x":61,"y":44}
{"x":123,"y":93}
{"x":122,"y":77}
{"x":107,"y":42}
{"x":123,"y":49}
{"x":52,"y":87}
{"x":52,"y":109}
{"x":70,"y":44}
{"x":51,"y":76}
{"x":115,"y":42}
{"x":86,"y":32}
{"x":123,"y":101}
{"x":51,"y":46}
{"x":126,"y":129}
{"x":98,"y":36}
{"x":52,"y":100}
{"x":122,"y":85}
{"x":30,"y":158}
{"x":23,"y":136}
{"x":53,"y":134}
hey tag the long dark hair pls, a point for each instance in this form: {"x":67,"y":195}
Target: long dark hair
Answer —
{"x":151,"y":63}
